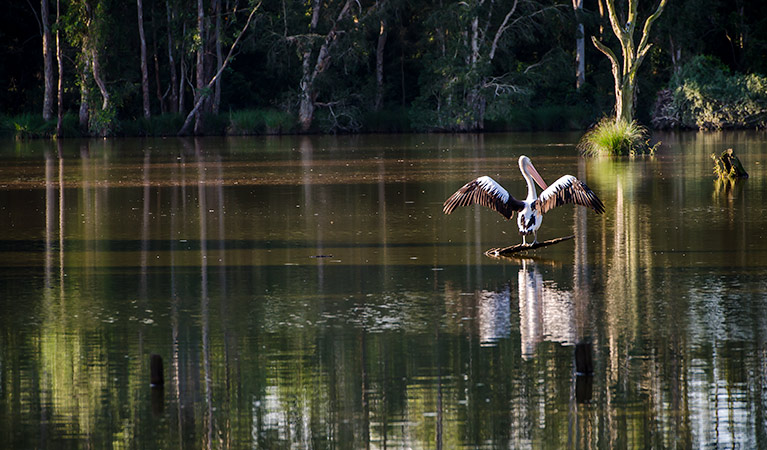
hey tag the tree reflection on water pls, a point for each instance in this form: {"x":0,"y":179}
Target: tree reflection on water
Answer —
{"x":404,"y":335}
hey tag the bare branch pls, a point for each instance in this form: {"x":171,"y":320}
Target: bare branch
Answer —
{"x":611,"y":56}
{"x":502,"y":29}
{"x":644,"y":45}
{"x":200,"y":100}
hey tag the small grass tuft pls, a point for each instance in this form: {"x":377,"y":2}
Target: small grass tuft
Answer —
{"x":609,"y":137}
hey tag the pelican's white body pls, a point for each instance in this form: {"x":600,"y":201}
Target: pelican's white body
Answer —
{"x":529,"y":220}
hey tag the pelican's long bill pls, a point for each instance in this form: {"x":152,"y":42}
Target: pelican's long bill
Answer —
{"x":536,"y":176}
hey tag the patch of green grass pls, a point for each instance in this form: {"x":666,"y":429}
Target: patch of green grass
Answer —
{"x":160,"y":125}
{"x":259,"y":121}
{"x":28,"y":126}
{"x":278,"y":122}
{"x":248,"y":121}
{"x":609,"y":137}
{"x":164,"y":125}
{"x":32,"y":126}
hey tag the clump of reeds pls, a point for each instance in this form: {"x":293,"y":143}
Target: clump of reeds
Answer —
{"x":610,"y":137}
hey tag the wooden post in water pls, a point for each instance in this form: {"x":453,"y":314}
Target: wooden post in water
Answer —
{"x":584,"y":372}
{"x":157,"y":378}
{"x":584,"y":364}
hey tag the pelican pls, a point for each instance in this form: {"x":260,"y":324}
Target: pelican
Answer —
{"x":487,"y":192}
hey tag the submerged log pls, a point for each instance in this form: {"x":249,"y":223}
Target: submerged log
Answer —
{"x":502,"y":251}
{"x":728,"y":166}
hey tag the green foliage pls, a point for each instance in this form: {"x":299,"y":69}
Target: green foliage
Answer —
{"x":342,"y":117}
{"x":32,"y":126}
{"x":161,"y":125}
{"x":707,"y":96}
{"x":609,"y":137}
{"x":26,"y":126}
{"x":258,"y":121}
{"x":436,"y":75}
{"x":391,"y":120}
{"x":102,"y":121}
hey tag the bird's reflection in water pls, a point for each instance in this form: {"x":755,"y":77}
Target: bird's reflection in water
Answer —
{"x":545,"y":311}
{"x":494,"y":316}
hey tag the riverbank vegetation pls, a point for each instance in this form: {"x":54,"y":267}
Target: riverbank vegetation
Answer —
{"x":115,"y":68}
{"x":615,"y":137}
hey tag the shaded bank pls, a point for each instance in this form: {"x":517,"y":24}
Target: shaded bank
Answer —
{"x":252,"y":122}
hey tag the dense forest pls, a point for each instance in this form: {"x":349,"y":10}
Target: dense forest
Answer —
{"x":116,"y":67}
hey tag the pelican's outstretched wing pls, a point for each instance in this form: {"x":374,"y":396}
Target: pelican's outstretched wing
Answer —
{"x":569,"y":189}
{"x":486,"y":192}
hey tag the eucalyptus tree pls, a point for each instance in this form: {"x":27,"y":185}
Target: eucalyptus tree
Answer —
{"x":60,"y":67}
{"x":208,"y":39}
{"x":201,"y":98}
{"x":144,"y":70}
{"x":170,"y":27}
{"x":182,"y":43}
{"x":321,"y":35}
{"x":199,"y":92}
{"x":383,"y":34}
{"x":462,"y":73}
{"x":47,"y":60}
{"x":580,"y":45}
{"x":625,"y":69}
{"x":85,"y":29}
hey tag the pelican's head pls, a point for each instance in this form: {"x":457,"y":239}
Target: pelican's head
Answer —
{"x":527,"y":168}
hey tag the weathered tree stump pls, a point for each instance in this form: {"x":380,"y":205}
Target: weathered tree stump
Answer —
{"x":728,"y":166}
{"x":505,"y":251}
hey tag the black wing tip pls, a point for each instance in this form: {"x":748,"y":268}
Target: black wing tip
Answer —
{"x":600,"y":208}
{"x":594,"y":202}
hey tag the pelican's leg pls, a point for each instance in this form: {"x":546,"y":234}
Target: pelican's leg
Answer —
{"x":535,"y":237}
{"x":524,"y":242}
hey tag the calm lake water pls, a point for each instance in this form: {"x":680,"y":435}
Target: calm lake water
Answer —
{"x":308,"y":292}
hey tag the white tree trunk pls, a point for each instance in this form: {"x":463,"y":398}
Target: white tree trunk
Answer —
{"x":306,"y":105}
{"x":171,"y":63}
{"x":200,"y":66}
{"x":47,"y":61}
{"x":308,"y":94}
{"x":219,"y":58}
{"x":96,"y":70}
{"x":84,"y":112}
{"x":182,"y":78}
{"x":144,"y":70}
{"x":60,"y":66}
{"x":380,"y":65}
{"x":580,"y":46}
